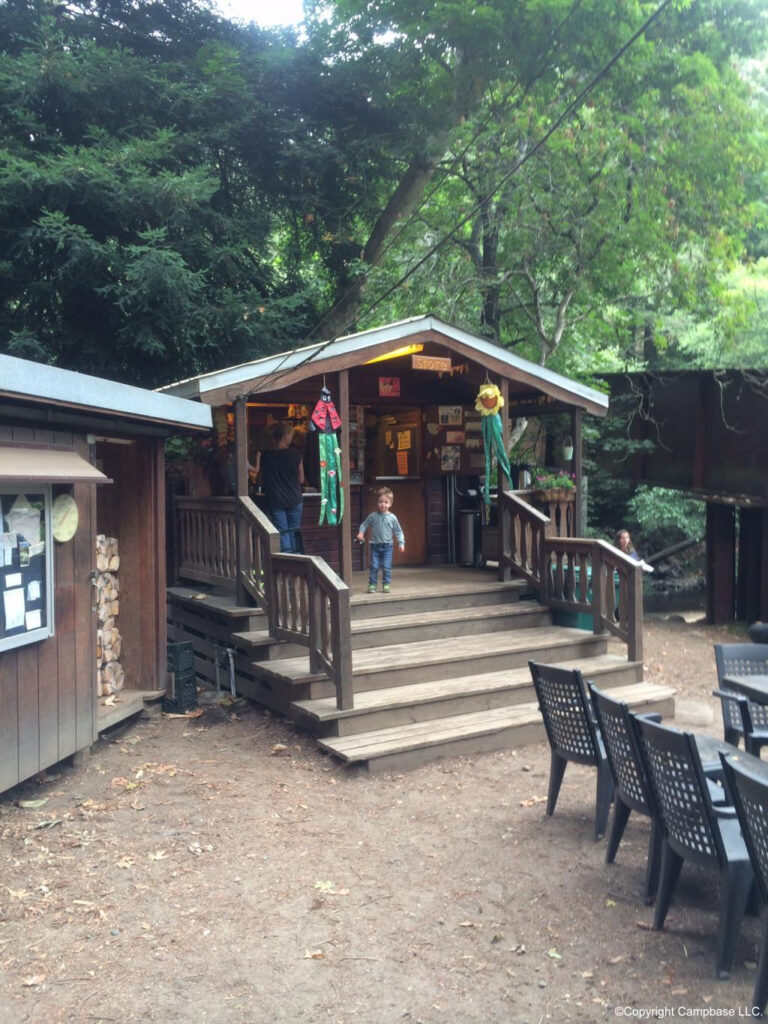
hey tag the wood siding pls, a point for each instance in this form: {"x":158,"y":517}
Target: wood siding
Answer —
{"x":48,"y":688}
{"x":132,"y":509}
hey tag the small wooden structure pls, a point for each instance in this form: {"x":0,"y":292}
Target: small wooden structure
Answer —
{"x":710,"y":435}
{"x":405,"y":393}
{"x":440,"y":664}
{"x":79,"y":457}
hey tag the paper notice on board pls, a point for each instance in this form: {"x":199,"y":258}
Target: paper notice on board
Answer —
{"x":403,"y":440}
{"x":33,"y":591}
{"x":9,"y":543}
{"x":402,"y":463}
{"x":13,"y":601}
{"x":13,"y":580}
{"x":34,"y":619}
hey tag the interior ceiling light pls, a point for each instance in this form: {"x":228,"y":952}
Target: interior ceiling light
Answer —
{"x":406,"y":350}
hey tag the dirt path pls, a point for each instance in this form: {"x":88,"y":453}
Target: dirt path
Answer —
{"x":220,"y":869}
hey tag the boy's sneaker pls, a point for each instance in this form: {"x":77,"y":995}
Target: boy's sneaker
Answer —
{"x":386,"y":588}
{"x":371,"y":588}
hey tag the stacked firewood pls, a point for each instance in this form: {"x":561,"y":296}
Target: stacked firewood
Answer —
{"x":108,"y":641}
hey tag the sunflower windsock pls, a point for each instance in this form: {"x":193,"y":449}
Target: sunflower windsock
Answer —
{"x":488,"y":403}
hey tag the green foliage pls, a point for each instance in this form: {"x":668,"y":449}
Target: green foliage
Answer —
{"x":178,"y":192}
{"x":663,"y":517}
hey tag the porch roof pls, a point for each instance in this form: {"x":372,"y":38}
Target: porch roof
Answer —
{"x":288,"y":368}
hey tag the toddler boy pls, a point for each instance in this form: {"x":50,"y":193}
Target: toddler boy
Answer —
{"x":385,"y":529}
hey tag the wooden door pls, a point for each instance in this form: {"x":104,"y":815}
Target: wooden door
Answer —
{"x":409,"y":509}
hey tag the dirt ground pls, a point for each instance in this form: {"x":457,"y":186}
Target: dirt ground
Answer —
{"x":221,"y":869}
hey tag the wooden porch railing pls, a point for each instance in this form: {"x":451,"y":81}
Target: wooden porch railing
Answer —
{"x":303,"y":599}
{"x":206,"y":540}
{"x":574,"y":573}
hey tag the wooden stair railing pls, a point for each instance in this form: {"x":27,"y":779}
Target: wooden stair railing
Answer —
{"x":304,"y":600}
{"x":575,"y":573}
{"x":261,"y":540}
{"x":311,"y":608}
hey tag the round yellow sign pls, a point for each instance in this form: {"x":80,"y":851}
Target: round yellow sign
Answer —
{"x":65,"y":517}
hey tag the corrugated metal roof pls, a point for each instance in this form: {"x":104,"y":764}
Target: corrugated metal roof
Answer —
{"x":21,"y":378}
{"x":315,"y":355}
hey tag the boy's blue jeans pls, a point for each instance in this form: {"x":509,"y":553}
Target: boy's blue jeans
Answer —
{"x":381,"y":558}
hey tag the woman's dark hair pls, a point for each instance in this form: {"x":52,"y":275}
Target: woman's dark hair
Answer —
{"x":280,"y":430}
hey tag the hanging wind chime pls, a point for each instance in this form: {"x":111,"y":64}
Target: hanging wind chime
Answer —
{"x":488,"y":403}
{"x":326,"y":421}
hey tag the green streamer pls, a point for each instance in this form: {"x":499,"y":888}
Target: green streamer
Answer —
{"x":493,"y":442}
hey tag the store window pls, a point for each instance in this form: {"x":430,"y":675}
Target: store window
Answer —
{"x":26,"y":565}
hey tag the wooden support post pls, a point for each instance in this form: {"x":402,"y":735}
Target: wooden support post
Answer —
{"x":579,"y":511}
{"x":635,"y":617}
{"x":159,"y":596}
{"x":345,"y":527}
{"x":505,"y":484}
{"x":596,"y":583}
{"x":342,"y":655}
{"x":241,"y":488}
{"x":720,"y":559}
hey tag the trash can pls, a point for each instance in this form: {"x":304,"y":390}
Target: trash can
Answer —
{"x":469,"y":530}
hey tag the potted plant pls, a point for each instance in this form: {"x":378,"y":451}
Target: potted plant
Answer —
{"x":553,"y":484}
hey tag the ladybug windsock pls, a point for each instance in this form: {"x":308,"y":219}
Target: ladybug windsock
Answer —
{"x":326,"y":421}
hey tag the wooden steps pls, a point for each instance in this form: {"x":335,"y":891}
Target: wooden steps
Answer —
{"x":440,"y":666}
{"x":398,"y":629}
{"x":402,"y":705}
{"x":409,"y":745}
{"x":448,"y":593}
{"x":429,"y":660}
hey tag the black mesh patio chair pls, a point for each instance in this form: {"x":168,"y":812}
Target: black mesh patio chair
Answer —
{"x":748,"y":786}
{"x":572,"y":733}
{"x":694,"y":829}
{"x":632,"y":791}
{"x":749,"y":703}
{"x":740,"y":660}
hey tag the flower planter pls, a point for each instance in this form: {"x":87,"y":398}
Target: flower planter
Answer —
{"x":547,"y":496}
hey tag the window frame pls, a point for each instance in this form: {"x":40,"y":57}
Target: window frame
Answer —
{"x":44,"y":632}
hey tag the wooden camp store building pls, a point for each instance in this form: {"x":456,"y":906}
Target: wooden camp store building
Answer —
{"x":80,"y":459}
{"x":440,"y":664}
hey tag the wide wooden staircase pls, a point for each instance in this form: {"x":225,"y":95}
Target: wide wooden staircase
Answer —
{"x":438,"y":670}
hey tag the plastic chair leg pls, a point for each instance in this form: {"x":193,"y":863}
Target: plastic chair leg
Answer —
{"x":621,"y":812}
{"x":556,"y":771}
{"x":654,"y":862}
{"x":671,"y":863}
{"x":603,"y":799}
{"x":760,"y":993}
{"x":734,"y":893}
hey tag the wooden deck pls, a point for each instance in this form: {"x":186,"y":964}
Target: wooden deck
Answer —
{"x":439,"y":665}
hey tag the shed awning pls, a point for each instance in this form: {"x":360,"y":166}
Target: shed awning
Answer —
{"x":47,"y":466}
